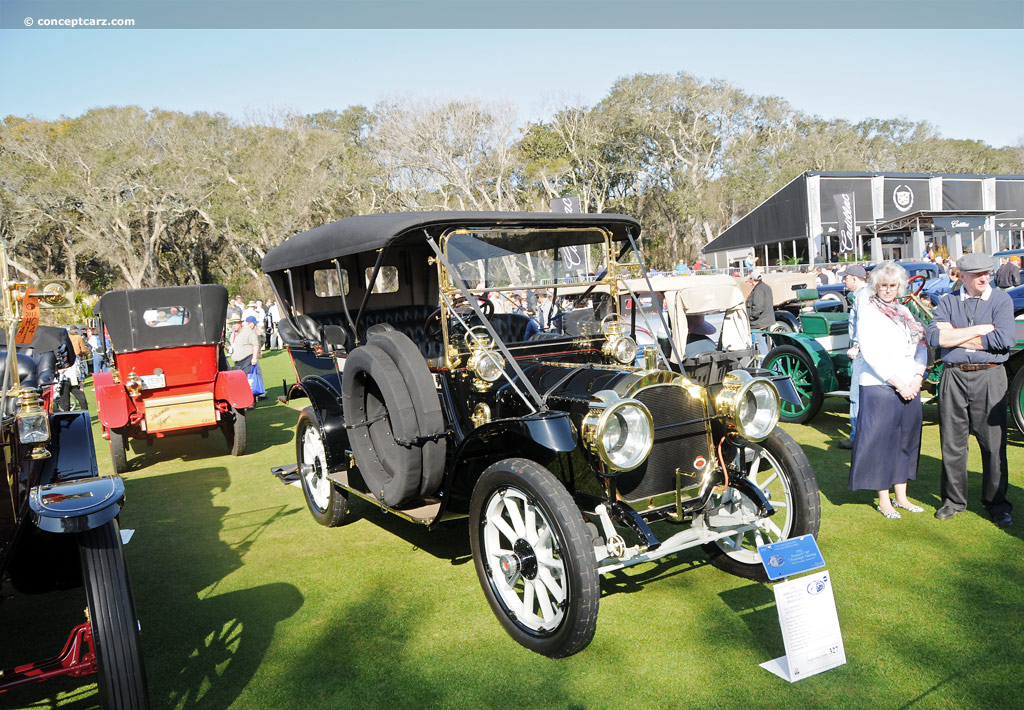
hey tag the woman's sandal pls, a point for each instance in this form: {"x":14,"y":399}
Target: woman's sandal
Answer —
{"x":909,"y":508}
{"x":894,"y":515}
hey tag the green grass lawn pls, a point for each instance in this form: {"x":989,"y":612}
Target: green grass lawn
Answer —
{"x":246,"y":602}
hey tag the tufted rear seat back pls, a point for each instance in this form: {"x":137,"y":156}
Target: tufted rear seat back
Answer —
{"x":512,"y":328}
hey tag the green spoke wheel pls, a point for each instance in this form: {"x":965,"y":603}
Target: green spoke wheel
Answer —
{"x":1017,"y":399}
{"x":791,"y":360}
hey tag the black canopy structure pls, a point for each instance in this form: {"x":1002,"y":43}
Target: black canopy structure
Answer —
{"x":939,"y":219}
{"x":354,"y":235}
{"x":824,"y":215}
{"x":142,"y":319}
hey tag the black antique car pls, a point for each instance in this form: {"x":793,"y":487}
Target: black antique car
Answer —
{"x":448,"y":377}
{"x":58,"y":516}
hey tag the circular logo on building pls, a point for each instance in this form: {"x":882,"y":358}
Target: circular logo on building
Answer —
{"x":903,"y":197}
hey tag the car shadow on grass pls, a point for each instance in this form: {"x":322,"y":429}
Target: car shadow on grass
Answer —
{"x":447,"y":541}
{"x":202,"y":645}
{"x":267,"y":426}
{"x":341,"y":663}
{"x":634,"y":579}
{"x":755,"y":605}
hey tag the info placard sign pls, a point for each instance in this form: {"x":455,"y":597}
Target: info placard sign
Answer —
{"x":788,"y":557}
{"x":810,"y":628}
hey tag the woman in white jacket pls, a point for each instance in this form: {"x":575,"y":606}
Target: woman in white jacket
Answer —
{"x":888,"y":443}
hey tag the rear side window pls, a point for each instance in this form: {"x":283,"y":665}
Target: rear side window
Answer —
{"x":325,"y":281}
{"x":387,"y":279}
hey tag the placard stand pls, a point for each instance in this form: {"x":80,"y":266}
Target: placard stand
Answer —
{"x":807,"y":610}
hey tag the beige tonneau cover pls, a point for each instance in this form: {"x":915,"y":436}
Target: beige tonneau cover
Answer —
{"x":785,"y":285}
{"x":702,"y":295}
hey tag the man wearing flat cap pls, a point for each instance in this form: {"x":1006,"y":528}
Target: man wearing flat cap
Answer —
{"x":975,"y":331}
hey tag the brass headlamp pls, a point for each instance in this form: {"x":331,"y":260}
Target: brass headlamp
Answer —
{"x":751,"y":404}
{"x":619,"y":431}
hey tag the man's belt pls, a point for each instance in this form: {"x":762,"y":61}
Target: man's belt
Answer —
{"x":973,"y":366}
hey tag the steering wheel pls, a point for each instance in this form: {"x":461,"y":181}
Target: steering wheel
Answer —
{"x":920,"y":286}
{"x":432,"y":325}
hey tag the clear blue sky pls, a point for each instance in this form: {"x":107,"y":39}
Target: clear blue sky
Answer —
{"x":967,"y":83}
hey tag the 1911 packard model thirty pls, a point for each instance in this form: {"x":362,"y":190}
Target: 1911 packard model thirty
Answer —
{"x":169,"y":373}
{"x":58,"y":516}
{"x":435,"y":395}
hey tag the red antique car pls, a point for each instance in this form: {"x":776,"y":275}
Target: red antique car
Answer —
{"x":169,"y":373}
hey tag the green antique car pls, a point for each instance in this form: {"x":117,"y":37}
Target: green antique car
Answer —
{"x":818,"y":365}
{"x":815,"y":359}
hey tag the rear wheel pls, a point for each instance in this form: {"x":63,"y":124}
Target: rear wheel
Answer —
{"x":327,"y":503}
{"x":119,"y":449}
{"x":1017,"y":399}
{"x":235,"y":431}
{"x":791,"y":360}
{"x":115,"y":626}
{"x":534,"y":558}
{"x":779,"y":468}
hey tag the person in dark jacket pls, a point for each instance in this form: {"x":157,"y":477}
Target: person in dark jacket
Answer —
{"x":760,"y":306}
{"x":1008,"y":273}
{"x":760,"y":309}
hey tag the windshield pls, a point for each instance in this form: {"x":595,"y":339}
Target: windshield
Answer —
{"x":521,"y":258}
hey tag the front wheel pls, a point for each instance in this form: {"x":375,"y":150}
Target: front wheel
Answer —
{"x":534,"y":558}
{"x":326,"y":501}
{"x":1017,"y":399}
{"x":780,"y":469}
{"x":115,"y":626}
{"x":791,"y":360}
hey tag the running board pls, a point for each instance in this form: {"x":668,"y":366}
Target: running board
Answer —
{"x":423,"y":511}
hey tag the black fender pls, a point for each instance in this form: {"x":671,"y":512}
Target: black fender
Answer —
{"x":789,"y":318}
{"x":540,"y":437}
{"x":783,"y":383}
{"x":326,"y":405}
{"x":72,"y":497}
{"x":72,"y":451}
{"x":76,"y":506}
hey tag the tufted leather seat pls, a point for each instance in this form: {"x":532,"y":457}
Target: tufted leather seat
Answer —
{"x":512,"y":328}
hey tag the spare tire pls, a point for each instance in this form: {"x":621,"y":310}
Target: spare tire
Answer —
{"x":378,"y":410}
{"x":420,"y":383}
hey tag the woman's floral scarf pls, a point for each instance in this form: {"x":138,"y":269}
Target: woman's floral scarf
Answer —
{"x":901,"y":316}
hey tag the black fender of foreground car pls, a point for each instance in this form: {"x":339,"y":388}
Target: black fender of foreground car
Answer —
{"x":76,"y":506}
{"x":326,"y":406}
{"x":71,"y":496}
{"x":541,"y":437}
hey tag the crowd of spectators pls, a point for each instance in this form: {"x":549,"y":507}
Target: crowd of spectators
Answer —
{"x":973,"y":329}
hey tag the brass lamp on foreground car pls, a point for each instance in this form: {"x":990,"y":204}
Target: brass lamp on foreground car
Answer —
{"x":570,"y":455}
